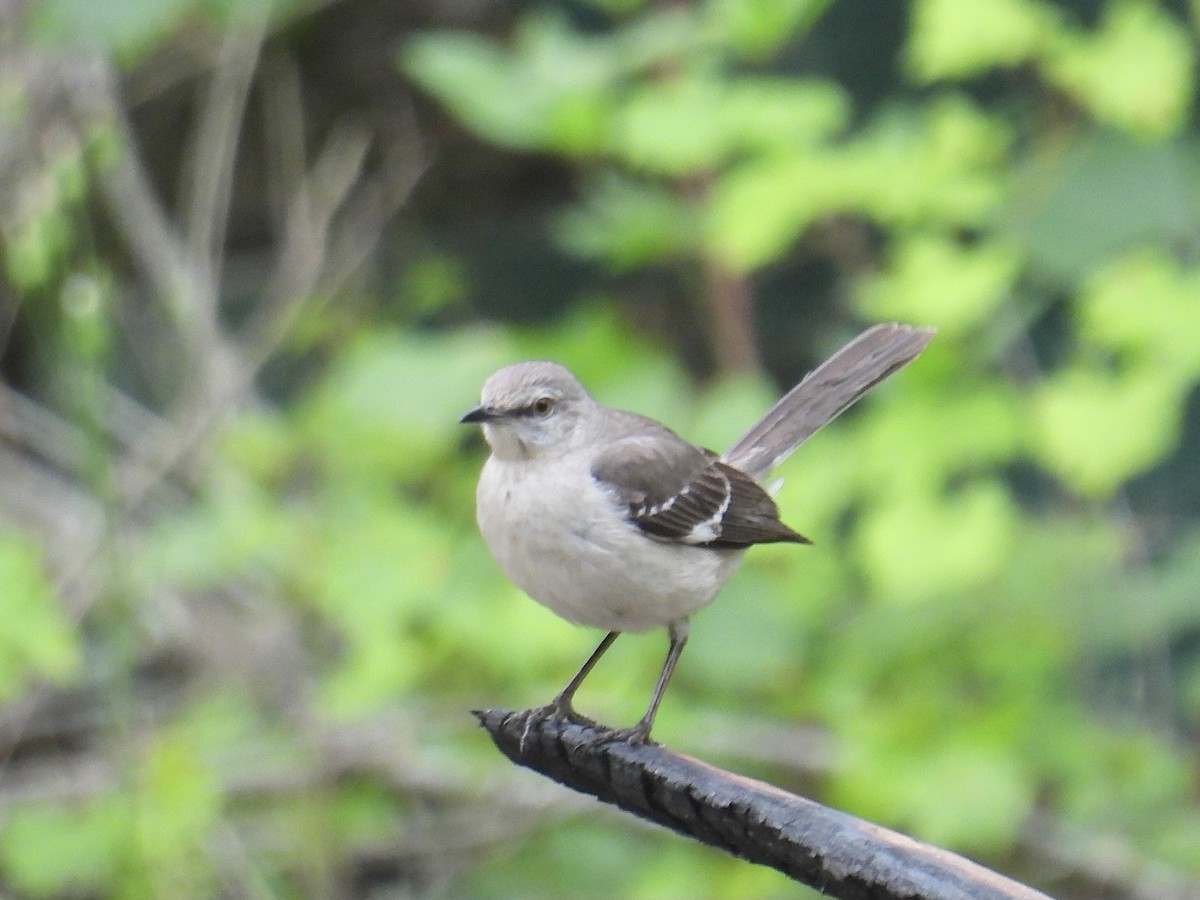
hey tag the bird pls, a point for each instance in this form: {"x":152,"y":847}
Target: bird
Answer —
{"x":612,"y":520}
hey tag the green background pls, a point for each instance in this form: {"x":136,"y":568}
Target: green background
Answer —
{"x":256,"y":259}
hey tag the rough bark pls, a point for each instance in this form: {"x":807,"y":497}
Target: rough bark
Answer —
{"x":836,"y":853}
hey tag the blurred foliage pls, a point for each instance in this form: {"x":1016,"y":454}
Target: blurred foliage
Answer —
{"x":38,"y":642}
{"x":280,"y":629}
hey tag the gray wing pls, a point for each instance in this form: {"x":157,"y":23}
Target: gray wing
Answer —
{"x":674,"y":491}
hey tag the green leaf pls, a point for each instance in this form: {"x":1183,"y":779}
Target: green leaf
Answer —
{"x":934,"y":280}
{"x":86,"y":319}
{"x":697,"y":121}
{"x":626,"y":224}
{"x":1096,"y":430}
{"x":235,"y":526}
{"x":37,"y":248}
{"x":915,"y":547}
{"x":555,"y":88}
{"x":536,"y":96}
{"x":951,"y":39}
{"x":901,"y":765}
{"x":178,"y":805}
{"x":673,"y":126}
{"x":1135,"y":72}
{"x":37,"y":640}
{"x":434,"y":283}
{"x":150,"y":842}
{"x":1176,"y":838}
{"x":992,"y":795}
{"x":390,"y":404}
{"x":52,"y":851}
{"x":1133,"y":776}
{"x":469,"y":74}
{"x":780,"y":114}
{"x":130,"y":29}
{"x":760,"y":207}
{"x":757,"y":28}
{"x":951,"y":426}
{"x":376,"y":569}
{"x":261,"y":443}
{"x":943,"y":166}
{"x":365,"y":813}
{"x":937,"y":167}
{"x":1144,"y":308}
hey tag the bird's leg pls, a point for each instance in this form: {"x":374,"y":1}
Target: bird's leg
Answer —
{"x":561,"y":704}
{"x":560,"y":707}
{"x":640,"y":733}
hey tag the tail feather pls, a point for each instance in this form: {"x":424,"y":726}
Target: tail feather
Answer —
{"x":825,"y":393}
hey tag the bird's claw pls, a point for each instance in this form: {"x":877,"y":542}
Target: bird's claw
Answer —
{"x":635,"y":736}
{"x":558,"y":710}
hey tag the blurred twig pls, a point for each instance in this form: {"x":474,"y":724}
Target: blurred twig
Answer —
{"x":332,"y":213}
{"x":214,"y":154}
{"x":333,"y":220}
{"x":1109,"y":863}
{"x":464,"y":817}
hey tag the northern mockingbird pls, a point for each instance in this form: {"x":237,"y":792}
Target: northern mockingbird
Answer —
{"x":612,"y":520}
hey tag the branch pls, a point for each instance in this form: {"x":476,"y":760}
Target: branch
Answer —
{"x":831,"y":851}
{"x":210,"y":169}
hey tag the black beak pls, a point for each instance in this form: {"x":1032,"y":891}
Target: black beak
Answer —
{"x":478,"y":414}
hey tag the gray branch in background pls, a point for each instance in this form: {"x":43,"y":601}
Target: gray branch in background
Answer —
{"x":832,"y":851}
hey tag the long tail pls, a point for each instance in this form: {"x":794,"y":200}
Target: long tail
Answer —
{"x":825,"y":393}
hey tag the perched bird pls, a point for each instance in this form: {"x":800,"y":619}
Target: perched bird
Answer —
{"x":612,"y":520}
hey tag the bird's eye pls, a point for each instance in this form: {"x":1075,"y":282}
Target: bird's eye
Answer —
{"x":543,"y":405}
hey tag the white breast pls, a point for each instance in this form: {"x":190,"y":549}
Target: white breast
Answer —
{"x":573,"y":551}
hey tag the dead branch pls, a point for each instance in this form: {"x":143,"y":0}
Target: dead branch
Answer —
{"x":829,"y":850}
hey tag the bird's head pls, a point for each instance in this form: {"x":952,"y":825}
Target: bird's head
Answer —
{"x":531,"y":409}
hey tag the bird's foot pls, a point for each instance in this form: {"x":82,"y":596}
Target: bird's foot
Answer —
{"x":557,"y":710}
{"x":638,"y":734}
